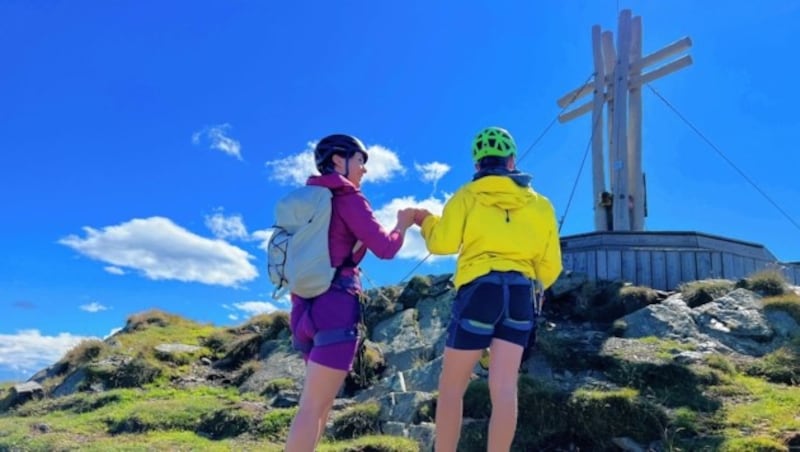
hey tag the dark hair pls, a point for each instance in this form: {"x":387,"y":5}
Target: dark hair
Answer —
{"x":492,"y":161}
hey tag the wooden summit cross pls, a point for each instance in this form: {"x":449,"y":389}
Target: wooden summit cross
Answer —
{"x":618,"y":79}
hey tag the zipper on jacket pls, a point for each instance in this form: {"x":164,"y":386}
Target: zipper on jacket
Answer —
{"x":508,"y":220}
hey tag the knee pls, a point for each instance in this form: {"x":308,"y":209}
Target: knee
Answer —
{"x":502,"y":392}
{"x":449,"y":390}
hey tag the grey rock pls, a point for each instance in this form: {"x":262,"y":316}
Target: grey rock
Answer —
{"x":22,"y":393}
{"x":70,"y":384}
{"x":402,"y":406}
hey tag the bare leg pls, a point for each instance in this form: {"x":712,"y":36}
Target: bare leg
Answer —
{"x":319,"y":390}
{"x":456,"y":369}
{"x":503,"y":374}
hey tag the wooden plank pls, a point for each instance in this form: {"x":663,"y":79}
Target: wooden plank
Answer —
{"x":566,"y":260}
{"x":579,"y":262}
{"x":749,"y":266}
{"x":716,"y":265}
{"x":703,"y":265}
{"x":738,"y":266}
{"x":629,"y":266}
{"x":644,"y":273}
{"x":673,"y":269}
{"x":602,"y":265}
{"x":614,"y":264}
{"x":688,"y":266}
{"x":591,"y":265}
{"x":659,"y":265}
{"x":735,"y":247}
{"x":728,"y":272}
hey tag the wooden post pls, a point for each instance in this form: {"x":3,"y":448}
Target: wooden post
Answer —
{"x":620,"y":73}
{"x":620,"y":169}
{"x":635,"y":181}
{"x":598,"y":174}
{"x":610,"y":57}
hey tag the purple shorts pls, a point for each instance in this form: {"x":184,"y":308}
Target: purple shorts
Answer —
{"x":336,"y":309}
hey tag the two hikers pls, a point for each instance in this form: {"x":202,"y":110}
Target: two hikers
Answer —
{"x":506,"y":238}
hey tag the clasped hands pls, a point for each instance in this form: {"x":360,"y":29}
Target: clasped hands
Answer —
{"x":410,"y":215}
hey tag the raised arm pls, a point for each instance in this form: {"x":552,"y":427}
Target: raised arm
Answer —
{"x":443,"y":235}
{"x":358,"y":216}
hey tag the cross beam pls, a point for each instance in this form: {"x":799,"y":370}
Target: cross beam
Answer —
{"x":618,"y":78}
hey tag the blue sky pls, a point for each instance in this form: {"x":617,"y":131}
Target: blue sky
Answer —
{"x":145,"y":143}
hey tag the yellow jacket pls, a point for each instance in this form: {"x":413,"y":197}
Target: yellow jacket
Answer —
{"x":494,"y":224}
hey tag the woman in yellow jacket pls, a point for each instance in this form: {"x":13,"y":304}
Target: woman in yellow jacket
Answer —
{"x":506,"y":237}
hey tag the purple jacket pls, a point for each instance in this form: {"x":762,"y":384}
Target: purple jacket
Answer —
{"x":352,"y":220}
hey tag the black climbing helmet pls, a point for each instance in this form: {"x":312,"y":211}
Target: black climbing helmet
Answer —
{"x":345,"y":145}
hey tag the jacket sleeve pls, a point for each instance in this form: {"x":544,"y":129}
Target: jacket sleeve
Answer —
{"x":358,"y":216}
{"x":548,"y":268}
{"x":444,"y":234}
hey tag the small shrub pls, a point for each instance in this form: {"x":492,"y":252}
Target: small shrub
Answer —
{"x":84,"y":352}
{"x":372,"y":443}
{"x":426,"y":412}
{"x":279,"y":384}
{"x":247,"y":370}
{"x":155,"y":317}
{"x":618,"y":328}
{"x":768,"y":282}
{"x":753,"y":444}
{"x":225,"y":423}
{"x":242,"y":349}
{"x":721,"y":363}
{"x":357,"y":420}
{"x":477,"y":400}
{"x":417,"y":288}
{"x":599,"y":416}
{"x":380,"y":305}
{"x":268,"y":326}
{"x":780,"y":366}
{"x":275,"y":424}
{"x":217,"y":341}
{"x":368,"y":366}
{"x":132,"y":373}
{"x":696,"y":293}
{"x":789,"y":303}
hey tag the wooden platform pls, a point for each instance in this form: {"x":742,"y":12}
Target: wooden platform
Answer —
{"x":663,"y":260}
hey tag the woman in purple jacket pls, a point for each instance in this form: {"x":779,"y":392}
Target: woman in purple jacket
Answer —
{"x":324,"y":328}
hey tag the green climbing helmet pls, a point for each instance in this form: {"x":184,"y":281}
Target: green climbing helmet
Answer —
{"x":493,"y":142}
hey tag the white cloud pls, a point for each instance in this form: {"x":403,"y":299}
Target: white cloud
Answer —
{"x":217,"y":138}
{"x":413,"y":245}
{"x":255,"y":307}
{"x":28,"y":351}
{"x":230,"y":227}
{"x":114,"y":270}
{"x":160,"y":249}
{"x":432,"y":172}
{"x":233,"y":317}
{"x":93,"y":307}
{"x":382,"y":166}
{"x":294,"y":169}
{"x":263,"y":236}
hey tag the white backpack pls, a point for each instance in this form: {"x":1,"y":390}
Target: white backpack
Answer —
{"x":298,"y":255}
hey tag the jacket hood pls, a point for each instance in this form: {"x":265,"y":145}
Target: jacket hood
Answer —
{"x":501,"y":191}
{"x":334,"y":181}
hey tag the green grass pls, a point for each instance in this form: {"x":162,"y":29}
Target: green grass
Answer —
{"x":789,"y":303}
{"x":767,"y":282}
{"x":696,"y":293}
{"x":371,"y":443}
